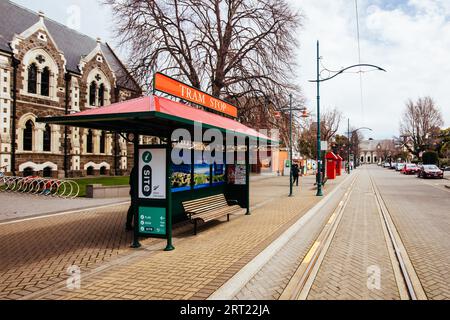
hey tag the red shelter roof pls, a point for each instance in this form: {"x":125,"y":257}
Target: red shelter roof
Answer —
{"x":149,"y":113}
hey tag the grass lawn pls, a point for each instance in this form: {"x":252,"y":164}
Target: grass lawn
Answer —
{"x":105,"y":181}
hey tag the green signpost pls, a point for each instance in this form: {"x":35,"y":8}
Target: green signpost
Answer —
{"x":153,"y":194}
{"x":152,"y":221}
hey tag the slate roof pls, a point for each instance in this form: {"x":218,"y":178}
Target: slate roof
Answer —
{"x":15,"y":19}
{"x":370,"y":145}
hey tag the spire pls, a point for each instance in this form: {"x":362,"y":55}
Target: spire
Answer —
{"x":41,"y":16}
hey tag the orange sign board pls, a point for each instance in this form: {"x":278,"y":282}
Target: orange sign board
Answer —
{"x":175,"y":88}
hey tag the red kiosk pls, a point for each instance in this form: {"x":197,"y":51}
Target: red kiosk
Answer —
{"x":339,"y":165}
{"x":332,"y":160}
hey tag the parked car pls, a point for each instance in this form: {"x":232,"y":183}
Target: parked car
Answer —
{"x":393,"y":165}
{"x":410,"y":168}
{"x":386,"y":165}
{"x":399,"y":166}
{"x":430,"y":171}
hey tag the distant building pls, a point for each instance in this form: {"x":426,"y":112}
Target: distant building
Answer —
{"x":370,"y":151}
{"x":57,"y":70}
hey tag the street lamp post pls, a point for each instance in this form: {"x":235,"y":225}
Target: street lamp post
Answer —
{"x":350,"y":144}
{"x":291,"y":151}
{"x":319,"y":140}
{"x":291,"y":182}
{"x":318,"y":81}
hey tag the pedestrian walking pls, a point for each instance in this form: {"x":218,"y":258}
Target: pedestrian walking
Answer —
{"x":295,"y":174}
{"x":130,"y":214}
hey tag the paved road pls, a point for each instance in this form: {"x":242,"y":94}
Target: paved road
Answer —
{"x":421,"y":212}
{"x":360,"y":261}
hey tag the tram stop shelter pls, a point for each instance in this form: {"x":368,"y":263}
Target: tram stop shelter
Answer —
{"x":162,"y":185}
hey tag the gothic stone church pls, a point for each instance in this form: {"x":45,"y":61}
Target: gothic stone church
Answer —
{"x":55,"y":71}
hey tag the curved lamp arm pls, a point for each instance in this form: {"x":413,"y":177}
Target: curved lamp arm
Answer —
{"x":363,"y":128}
{"x":345,"y":69}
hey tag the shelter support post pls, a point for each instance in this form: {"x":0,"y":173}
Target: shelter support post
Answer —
{"x":135,"y":195}
{"x":169,"y":246}
{"x":247,"y":174}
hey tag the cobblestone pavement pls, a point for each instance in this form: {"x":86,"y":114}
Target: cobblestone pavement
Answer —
{"x":359,"y":245}
{"x":37,"y":252}
{"x":421,"y":213}
{"x":200,"y":264}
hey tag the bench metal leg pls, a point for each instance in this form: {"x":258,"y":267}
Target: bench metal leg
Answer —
{"x":228,"y":217}
{"x":195,"y":227}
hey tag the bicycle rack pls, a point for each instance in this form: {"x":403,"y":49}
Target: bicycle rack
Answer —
{"x":38,"y":186}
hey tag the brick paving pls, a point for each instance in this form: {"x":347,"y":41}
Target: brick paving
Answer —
{"x":200,"y":264}
{"x":421,"y":213}
{"x":36,"y":253}
{"x":358,"y":244}
{"x":274,"y":276}
{"x":19,"y":206}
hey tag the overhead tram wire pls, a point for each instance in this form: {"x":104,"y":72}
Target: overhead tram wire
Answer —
{"x":359,"y":61}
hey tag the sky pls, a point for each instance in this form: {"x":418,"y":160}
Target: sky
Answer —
{"x":408,"y":38}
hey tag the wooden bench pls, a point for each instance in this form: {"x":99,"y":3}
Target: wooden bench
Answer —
{"x":210,"y":208}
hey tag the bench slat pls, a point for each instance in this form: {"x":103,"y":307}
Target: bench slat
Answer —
{"x":199,"y":202}
{"x":209,"y":208}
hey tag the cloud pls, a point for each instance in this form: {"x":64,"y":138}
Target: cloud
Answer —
{"x":410,"y":39}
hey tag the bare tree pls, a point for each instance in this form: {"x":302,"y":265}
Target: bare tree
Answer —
{"x":420,"y":121}
{"x":331,"y":120}
{"x":355,"y":142}
{"x":387,"y":149}
{"x":308,"y":137}
{"x":232,"y":48}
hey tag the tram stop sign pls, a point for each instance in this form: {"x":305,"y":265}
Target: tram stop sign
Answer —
{"x":152,"y":221}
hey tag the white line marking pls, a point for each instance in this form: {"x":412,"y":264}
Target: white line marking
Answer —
{"x":64,"y":213}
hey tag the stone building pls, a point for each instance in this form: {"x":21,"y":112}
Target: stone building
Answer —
{"x":370,"y":151}
{"x":55,"y":70}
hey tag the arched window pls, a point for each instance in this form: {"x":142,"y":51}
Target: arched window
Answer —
{"x":90,"y":171}
{"x":28,"y":172}
{"x":101,"y":95}
{"x":362,"y":159}
{"x":47,"y":138}
{"x":32,"y":78}
{"x":45,"y":82}
{"x":47,"y":172}
{"x":103,"y":171}
{"x":28,"y":136}
{"x":89,"y":141}
{"x":102,"y":142}
{"x":92,"y":93}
